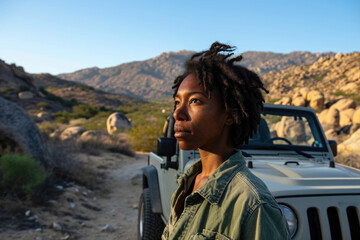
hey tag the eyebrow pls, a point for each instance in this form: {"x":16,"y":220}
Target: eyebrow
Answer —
{"x":193,"y":93}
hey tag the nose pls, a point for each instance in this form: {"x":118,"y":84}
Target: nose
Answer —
{"x":181,"y":113}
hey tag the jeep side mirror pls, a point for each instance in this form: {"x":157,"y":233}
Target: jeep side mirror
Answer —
{"x":166,"y":147}
{"x":333,"y":146}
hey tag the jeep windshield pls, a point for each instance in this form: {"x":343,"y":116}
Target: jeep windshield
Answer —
{"x":287,"y":129}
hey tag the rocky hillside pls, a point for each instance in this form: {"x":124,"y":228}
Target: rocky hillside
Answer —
{"x":334,"y":76}
{"x":33,"y":92}
{"x":331,"y":86}
{"x":152,"y":79}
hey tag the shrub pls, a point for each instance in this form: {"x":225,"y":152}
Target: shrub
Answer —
{"x":24,"y":88}
{"x":53,"y":97}
{"x":21,"y":173}
{"x":116,"y":142}
{"x":43,"y":105}
{"x":7,"y":90}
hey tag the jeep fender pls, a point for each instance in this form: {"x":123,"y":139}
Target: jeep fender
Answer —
{"x":150,"y":180}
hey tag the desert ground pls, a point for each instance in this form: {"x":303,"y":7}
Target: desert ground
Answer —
{"x":109,"y":211}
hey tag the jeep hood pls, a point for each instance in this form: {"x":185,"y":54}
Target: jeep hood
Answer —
{"x":303,"y":177}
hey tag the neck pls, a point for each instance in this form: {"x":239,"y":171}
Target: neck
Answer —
{"x":212,"y":160}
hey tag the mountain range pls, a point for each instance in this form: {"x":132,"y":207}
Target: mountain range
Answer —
{"x":152,"y":79}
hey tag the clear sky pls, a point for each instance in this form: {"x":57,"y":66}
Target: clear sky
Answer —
{"x":59,"y":36}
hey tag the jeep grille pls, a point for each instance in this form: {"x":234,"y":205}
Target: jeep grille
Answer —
{"x":326,"y":217}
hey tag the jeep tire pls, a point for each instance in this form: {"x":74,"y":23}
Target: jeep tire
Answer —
{"x":150,"y":225}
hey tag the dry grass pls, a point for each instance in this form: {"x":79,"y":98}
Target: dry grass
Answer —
{"x":64,"y":166}
{"x":99,"y":140}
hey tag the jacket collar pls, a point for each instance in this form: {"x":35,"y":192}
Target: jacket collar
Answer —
{"x":214,"y":187}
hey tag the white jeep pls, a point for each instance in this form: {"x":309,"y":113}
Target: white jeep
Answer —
{"x":290,"y":153}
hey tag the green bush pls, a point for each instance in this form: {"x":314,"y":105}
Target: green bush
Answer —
{"x":7,"y":90}
{"x":53,"y":97}
{"x":147,"y":121}
{"x":82,"y":111}
{"x":21,"y":173}
{"x":43,"y":105}
{"x":24,"y":88}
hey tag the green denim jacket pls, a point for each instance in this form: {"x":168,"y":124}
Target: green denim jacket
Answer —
{"x":232,"y":204}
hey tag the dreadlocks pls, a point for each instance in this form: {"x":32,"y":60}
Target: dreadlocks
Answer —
{"x":239,"y":87}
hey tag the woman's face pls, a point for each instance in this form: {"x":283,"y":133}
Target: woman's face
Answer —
{"x":200,"y":121}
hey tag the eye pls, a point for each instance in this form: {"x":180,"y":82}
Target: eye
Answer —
{"x":194,"y":100}
{"x":176,"y":103}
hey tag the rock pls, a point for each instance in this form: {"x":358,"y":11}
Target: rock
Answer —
{"x":43,"y":116}
{"x":344,"y":103}
{"x":56,"y":226}
{"x":354,"y":127}
{"x":117,"y":121}
{"x":71,"y":132}
{"x":299,"y":101}
{"x":316,"y":100}
{"x":108,"y":228}
{"x":330,"y":117}
{"x":66,"y":236}
{"x":33,"y":218}
{"x":284,"y":101}
{"x":27,"y":213}
{"x":331,"y":134}
{"x":356,"y":116}
{"x":351,"y":146}
{"x":19,"y":131}
{"x":350,"y":87}
{"x":92,"y":135}
{"x":25,"y":95}
{"x":294,"y":130}
{"x":338,"y":55}
{"x":346,"y":117}
{"x":304,"y":92}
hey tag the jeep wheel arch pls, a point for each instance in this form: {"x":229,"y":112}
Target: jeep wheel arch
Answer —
{"x":150,"y":181}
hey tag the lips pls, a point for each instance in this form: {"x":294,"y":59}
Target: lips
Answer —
{"x":181,"y":131}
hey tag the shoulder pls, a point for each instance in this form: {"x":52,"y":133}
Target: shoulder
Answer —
{"x":248,"y":190}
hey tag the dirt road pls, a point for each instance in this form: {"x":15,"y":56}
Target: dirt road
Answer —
{"x":79,"y":213}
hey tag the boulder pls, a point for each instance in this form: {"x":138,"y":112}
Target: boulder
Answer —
{"x":71,"y":132}
{"x":18,"y":130}
{"x":346,"y":117}
{"x":293,"y":130}
{"x":331,"y":134}
{"x":354,"y":127}
{"x":117,"y":121}
{"x":330,"y":117}
{"x":284,"y":101}
{"x":351,"y":146}
{"x":304,"y":92}
{"x":356,"y":116}
{"x":92,"y":135}
{"x":349,"y":88}
{"x":299,"y":101}
{"x":316,"y":100}
{"x":26,"y":95}
{"x":344,"y":103}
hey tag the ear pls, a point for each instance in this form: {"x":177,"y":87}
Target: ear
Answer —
{"x":229,"y":118}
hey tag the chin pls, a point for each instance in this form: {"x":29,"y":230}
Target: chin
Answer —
{"x":186,"y":146}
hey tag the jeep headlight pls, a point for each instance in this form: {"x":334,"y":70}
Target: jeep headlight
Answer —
{"x":290,"y":218}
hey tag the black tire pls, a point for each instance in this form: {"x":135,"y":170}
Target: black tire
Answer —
{"x":150,"y":225}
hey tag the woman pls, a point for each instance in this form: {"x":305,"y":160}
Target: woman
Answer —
{"x":217,"y":107}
